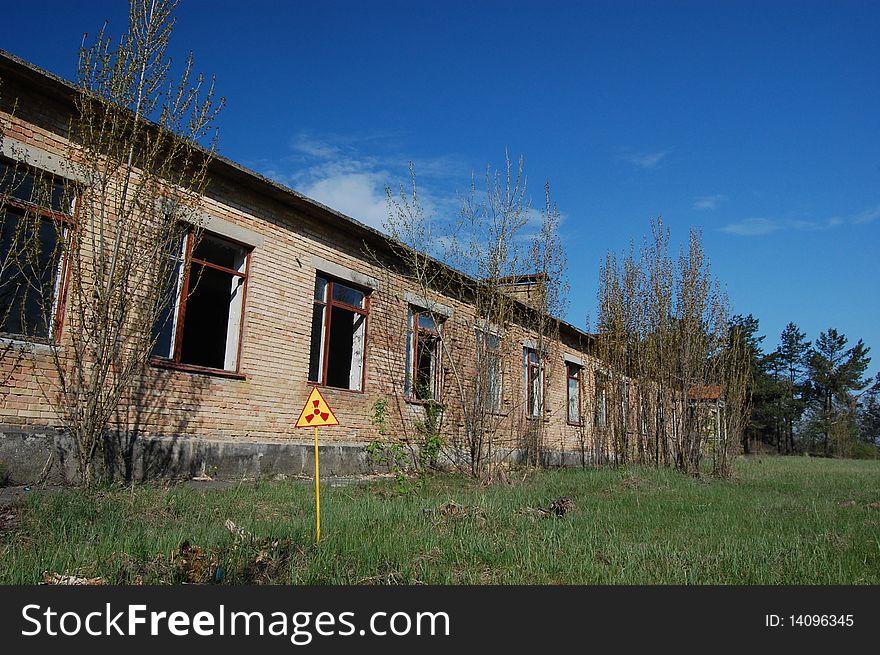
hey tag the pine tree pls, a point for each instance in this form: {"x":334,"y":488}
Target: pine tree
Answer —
{"x":835,"y":376}
{"x":793,"y":351}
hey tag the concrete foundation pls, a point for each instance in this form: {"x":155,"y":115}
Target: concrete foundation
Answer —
{"x":32,"y":455}
{"x":45,"y":455}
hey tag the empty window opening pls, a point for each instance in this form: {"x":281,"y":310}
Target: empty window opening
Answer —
{"x":423,"y":355}
{"x":534,"y":377}
{"x":35,"y":216}
{"x":339,"y":325}
{"x":489,"y":381}
{"x":573,"y":375}
{"x":200,"y":322}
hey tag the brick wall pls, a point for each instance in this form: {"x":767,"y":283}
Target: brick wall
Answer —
{"x":276,"y":335}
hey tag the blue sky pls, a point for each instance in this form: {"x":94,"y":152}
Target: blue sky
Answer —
{"x":758,"y":122}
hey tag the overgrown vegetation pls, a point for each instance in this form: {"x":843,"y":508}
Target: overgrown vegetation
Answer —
{"x":675,"y":365}
{"x":407,"y":462}
{"x":140,"y":141}
{"x":784,"y":520}
{"x":460,"y":372}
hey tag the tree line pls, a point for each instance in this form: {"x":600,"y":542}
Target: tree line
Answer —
{"x":811,"y":396}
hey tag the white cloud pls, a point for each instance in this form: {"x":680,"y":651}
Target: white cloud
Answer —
{"x":760,"y":226}
{"x":709,"y":203}
{"x":751,"y":227}
{"x":359,"y":195}
{"x":867,"y":216}
{"x":335,"y":171}
{"x":308,"y":145}
{"x":644,"y":160}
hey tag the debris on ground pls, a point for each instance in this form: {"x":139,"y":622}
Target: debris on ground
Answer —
{"x":272,"y":561}
{"x":59,"y":579}
{"x":560,"y":507}
{"x":450,"y":512}
{"x":632,"y":481}
{"x":451,"y":509}
{"x":192,"y":564}
{"x":390,"y":578}
{"x":266,"y":560}
{"x":246,"y":558}
{"x":238,"y":532}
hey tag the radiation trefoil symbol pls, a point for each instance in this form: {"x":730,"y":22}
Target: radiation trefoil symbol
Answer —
{"x":316,"y":412}
{"x":311,"y":417}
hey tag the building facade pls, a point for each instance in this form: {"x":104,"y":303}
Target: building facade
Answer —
{"x":290,"y":294}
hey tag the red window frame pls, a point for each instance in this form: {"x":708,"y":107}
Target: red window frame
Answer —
{"x":328,"y":306}
{"x":68,"y":223}
{"x":419,"y":331}
{"x":532,"y":374}
{"x":188,"y":260}
{"x":493,"y":368}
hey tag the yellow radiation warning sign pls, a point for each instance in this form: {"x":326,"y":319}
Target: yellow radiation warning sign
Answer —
{"x":316,"y":413}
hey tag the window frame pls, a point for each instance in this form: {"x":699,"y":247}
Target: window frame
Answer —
{"x":528,"y":367}
{"x":414,"y":330}
{"x":182,"y":298}
{"x":61,"y":280}
{"x":578,"y":370}
{"x":328,"y":306}
{"x":493,"y":355}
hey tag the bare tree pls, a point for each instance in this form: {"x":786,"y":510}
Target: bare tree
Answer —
{"x":487,"y":249}
{"x":140,"y":143}
{"x":664,"y":327}
{"x":487,"y":244}
{"x":547,"y":256}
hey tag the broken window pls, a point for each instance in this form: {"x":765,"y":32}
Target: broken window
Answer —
{"x":339,"y":326}
{"x":489,"y":370}
{"x":533,"y":374}
{"x":35,"y":215}
{"x":573,"y":375}
{"x":423,"y":355}
{"x":200,"y":323}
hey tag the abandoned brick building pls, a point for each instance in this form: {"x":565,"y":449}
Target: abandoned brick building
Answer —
{"x":311,"y":305}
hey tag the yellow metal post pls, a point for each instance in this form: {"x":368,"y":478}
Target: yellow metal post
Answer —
{"x":317,"y":492}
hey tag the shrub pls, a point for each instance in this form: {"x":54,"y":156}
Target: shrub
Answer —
{"x":863,"y":450}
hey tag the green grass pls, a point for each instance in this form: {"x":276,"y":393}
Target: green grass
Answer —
{"x":782,"y":521}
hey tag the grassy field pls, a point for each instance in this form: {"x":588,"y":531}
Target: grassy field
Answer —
{"x":782,"y":521}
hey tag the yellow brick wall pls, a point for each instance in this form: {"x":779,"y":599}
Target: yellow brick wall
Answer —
{"x":276,"y":339}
